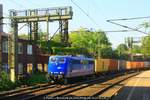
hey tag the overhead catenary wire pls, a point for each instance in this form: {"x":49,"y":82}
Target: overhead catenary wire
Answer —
{"x":111,"y":31}
{"x":84,"y":12}
{"x":62,"y":24}
{"x":134,"y":18}
{"x":20,"y":5}
{"x":134,"y":29}
{"x":97,"y":24}
{"x":22,"y":26}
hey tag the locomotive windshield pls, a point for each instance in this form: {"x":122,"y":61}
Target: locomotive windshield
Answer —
{"x":61,"y":60}
{"x":52,"y":59}
{"x":57,"y":59}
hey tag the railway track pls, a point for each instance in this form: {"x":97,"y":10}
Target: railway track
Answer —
{"x":19,"y":89}
{"x":22,"y":91}
{"x":113,"y":91}
{"x":67,"y":90}
{"x":105,"y":90}
{"x":61,"y":89}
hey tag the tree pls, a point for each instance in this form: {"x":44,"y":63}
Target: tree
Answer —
{"x":122,"y":48}
{"x":136,"y":49}
{"x":146,"y":25}
{"x":23,"y":36}
{"x":106,"y":52}
{"x":146,"y":45}
{"x":56,"y":37}
{"x":122,"y":51}
{"x":93,"y":41}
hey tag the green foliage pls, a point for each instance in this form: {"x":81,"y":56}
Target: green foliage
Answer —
{"x":145,"y":25}
{"x":36,"y":79}
{"x":56,"y":37}
{"x":23,"y":36}
{"x":93,"y":41}
{"x":145,"y":48}
{"x":106,"y":52}
{"x":122,"y":48}
{"x":69,"y":51}
{"x":146,"y":45}
{"x":136,"y":49}
{"x":5,"y":82}
{"x":122,"y":51}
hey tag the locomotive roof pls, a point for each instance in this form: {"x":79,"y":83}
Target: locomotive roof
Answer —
{"x":74,"y":57}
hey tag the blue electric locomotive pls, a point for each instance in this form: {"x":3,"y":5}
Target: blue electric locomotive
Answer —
{"x":66,"y":67}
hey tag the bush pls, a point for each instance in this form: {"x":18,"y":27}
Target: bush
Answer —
{"x":6,"y":83}
{"x":36,"y":79}
{"x":69,"y":51}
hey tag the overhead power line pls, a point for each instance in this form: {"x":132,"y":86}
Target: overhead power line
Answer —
{"x":121,"y":19}
{"x":15,"y":2}
{"x":134,"y":29}
{"x":118,"y":31}
{"x":84,"y":12}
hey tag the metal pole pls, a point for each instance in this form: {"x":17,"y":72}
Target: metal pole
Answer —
{"x":60,"y":31}
{"x":35,"y":52}
{"x":47,"y":37}
{"x":0,"y":52}
{"x":99,"y":48}
{"x":13,"y":51}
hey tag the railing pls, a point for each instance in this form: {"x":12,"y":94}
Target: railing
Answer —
{"x":42,"y":12}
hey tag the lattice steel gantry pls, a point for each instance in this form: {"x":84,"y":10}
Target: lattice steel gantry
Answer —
{"x":32,"y":17}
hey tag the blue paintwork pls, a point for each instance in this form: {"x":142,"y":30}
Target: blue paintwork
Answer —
{"x":55,"y":67}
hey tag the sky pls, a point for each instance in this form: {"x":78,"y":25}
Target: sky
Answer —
{"x":98,"y":10}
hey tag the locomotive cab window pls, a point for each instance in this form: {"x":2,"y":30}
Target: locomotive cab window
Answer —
{"x":61,"y":60}
{"x":52,"y":59}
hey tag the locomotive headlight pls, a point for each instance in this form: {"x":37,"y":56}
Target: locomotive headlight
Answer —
{"x":61,"y":72}
{"x":58,"y":67}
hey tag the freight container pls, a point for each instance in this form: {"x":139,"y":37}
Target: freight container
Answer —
{"x":134,"y":64}
{"x":101,"y":65}
{"x":141,"y":64}
{"x":129,"y":65}
{"x":113,"y":65}
{"x":147,"y":64}
{"x":121,"y":65}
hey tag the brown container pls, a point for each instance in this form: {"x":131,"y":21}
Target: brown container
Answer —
{"x":140,"y":64}
{"x":113,"y":65}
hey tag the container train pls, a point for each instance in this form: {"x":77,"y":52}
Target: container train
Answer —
{"x":62,"y":68}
